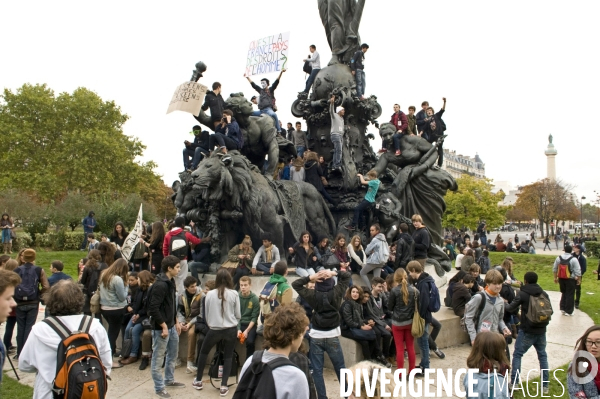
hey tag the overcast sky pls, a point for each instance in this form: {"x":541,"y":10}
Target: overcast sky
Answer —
{"x":513,"y":71}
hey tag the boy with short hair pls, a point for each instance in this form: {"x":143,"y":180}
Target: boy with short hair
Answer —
{"x":377,"y":309}
{"x":491,"y":316}
{"x":250,"y":310}
{"x":373,"y":185}
{"x":8,"y":281}
{"x":188,"y":308}
{"x":461,"y":294}
{"x":56,"y":268}
{"x":266,"y":256}
{"x":92,"y":242}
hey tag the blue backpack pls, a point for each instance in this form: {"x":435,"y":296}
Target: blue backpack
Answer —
{"x":434,"y":298}
{"x":28,"y":290}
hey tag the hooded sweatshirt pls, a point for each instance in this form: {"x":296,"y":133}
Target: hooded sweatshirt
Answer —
{"x":422,"y":242}
{"x":423,"y":285}
{"x":39,"y":353}
{"x":404,"y":250}
{"x":522,"y":301}
{"x":375,"y":250}
{"x":249,"y":308}
{"x":162,"y":304}
{"x":313,"y":174}
{"x":284,"y":291}
{"x":574,"y":269}
{"x":192,"y":239}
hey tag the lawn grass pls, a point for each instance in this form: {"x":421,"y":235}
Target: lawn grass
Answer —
{"x":12,"y":389}
{"x":556,"y":390}
{"x":69,"y":258}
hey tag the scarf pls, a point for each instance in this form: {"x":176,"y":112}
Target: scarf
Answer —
{"x":490,"y":292}
{"x":268,"y":253}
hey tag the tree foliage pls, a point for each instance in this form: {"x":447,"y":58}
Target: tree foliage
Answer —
{"x":518,"y":213}
{"x":548,"y":200}
{"x":473,"y":202}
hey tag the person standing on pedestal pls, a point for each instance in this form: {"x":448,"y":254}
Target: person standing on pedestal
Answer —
{"x":215,"y":102}
{"x":315,"y":62}
{"x":358,"y":70}
{"x":337,"y":133}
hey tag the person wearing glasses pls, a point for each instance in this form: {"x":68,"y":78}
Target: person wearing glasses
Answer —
{"x":589,"y":342}
{"x":530,"y":334}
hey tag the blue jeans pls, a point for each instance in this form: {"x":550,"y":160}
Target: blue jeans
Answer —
{"x":265,"y":267}
{"x":358,"y":211}
{"x":337,"y":140}
{"x":26,"y":317}
{"x":269,"y":111}
{"x":311,"y":79}
{"x":196,"y":267}
{"x":397,"y":137}
{"x":195,"y":154}
{"x":84,"y":244}
{"x":300,"y":150}
{"x":361,"y":82}
{"x":134,"y":331}
{"x":423,"y":343}
{"x":483,"y":240}
{"x":523,"y":343}
{"x":318,"y":347}
{"x":159,"y":346}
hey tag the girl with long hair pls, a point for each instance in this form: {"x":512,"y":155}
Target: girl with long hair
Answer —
{"x":467,"y":260}
{"x":155,"y":245}
{"x":588,"y":342}
{"x":222,"y":314}
{"x":302,"y":252}
{"x":243,"y":255}
{"x":341,"y":252}
{"x":357,"y":254}
{"x":134,"y":328}
{"x":119,"y":234}
{"x":109,"y":252}
{"x":354,"y":325}
{"x":113,"y":300}
{"x":6,"y":224}
{"x":90,"y":277}
{"x":488,"y":356}
{"x":401,"y":303}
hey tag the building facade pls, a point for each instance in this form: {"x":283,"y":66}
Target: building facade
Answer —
{"x":458,"y":164}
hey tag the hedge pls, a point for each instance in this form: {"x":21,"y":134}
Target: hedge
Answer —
{"x":592,"y":248}
{"x":57,"y":241}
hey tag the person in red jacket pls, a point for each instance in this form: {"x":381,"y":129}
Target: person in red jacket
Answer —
{"x":400,"y":122}
{"x":190,"y":239}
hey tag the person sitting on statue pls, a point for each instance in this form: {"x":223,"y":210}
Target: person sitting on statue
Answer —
{"x":434,"y":129}
{"x":373,"y":183}
{"x":337,"y":133}
{"x":227,"y":134}
{"x":266,"y":257}
{"x":266,"y":98}
{"x":215,"y":102}
{"x":421,"y":116}
{"x":195,"y":150}
{"x":400,"y":122}
{"x":314,"y":175}
{"x":302,"y":252}
{"x":412,"y":121}
{"x":358,"y":70}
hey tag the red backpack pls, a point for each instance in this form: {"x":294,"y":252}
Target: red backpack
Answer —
{"x":563,"y":266}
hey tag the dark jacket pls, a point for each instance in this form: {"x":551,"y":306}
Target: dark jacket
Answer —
{"x":508,"y":293}
{"x":162,"y":306}
{"x":522,"y":300}
{"x":313,"y":174}
{"x":460,"y":297}
{"x":377,"y":313}
{"x":582,"y":263}
{"x":404,"y":250}
{"x":232,"y":130}
{"x":200,"y":140}
{"x":400,"y":121}
{"x":216,"y":104}
{"x":402,"y":313}
{"x":138,"y":304}
{"x":423,"y":287}
{"x":352,"y":314}
{"x":310,"y":296}
{"x":357,"y":60}
{"x":89,"y":221}
{"x":156,"y":248}
{"x":56,"y":277}
{"x":301,"y":256}
{"x":265,"y":96}
{"x":421,"y":115}
{"x":421,"y":237}
{"x":307,"y":308}
{"x":436,"y":120}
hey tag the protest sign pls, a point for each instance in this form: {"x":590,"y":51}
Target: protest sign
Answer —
{"x":188,"y":97}
{"x":267,"y":54}
{"x":134,"y":237}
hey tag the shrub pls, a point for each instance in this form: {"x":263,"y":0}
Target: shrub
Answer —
{"x":23,"y":240}
{"x":592,"y":248}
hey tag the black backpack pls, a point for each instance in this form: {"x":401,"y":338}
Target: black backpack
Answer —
{"x":216,"y":365}
{"x":258,"y":382}
{"x":29,"y":289}
{"x":179,"y":245}
{"x":326,"y":316}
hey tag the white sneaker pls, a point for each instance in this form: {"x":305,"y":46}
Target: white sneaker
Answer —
{"x":563,"y":312}
{"x":178,"y":363}
{"x":191,"y":368}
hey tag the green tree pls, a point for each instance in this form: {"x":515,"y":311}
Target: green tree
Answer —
{"x":473,"y":202}
{"x":70,"y":142}
{"x":110,"y":210}
{"x":71,"y":210}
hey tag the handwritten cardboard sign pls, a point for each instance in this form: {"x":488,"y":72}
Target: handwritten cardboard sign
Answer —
{"x":188,"y":97}
{"x":267,"y":54}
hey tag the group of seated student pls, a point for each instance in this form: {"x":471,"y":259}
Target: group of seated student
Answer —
{"x":249,"y":262}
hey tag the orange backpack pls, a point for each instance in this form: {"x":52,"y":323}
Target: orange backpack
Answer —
{"x":79,"y":370}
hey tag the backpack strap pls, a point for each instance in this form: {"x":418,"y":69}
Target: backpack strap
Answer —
{"x":279,"y":362}
{"x":58,"y":327}
{"x":481,"y":305}
{"x":86,"y":324}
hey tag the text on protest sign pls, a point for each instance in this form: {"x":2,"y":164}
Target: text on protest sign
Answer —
{"x":134,"y":236}
{"x":267,"y":54}
{"x":188,"y":97}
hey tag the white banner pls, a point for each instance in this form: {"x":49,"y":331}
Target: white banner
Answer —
{"x":134,"y":237}
{"x":188,"y":97}
{"x":267,"y":54}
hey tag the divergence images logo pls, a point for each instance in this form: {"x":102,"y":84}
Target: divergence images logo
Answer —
{"x":581,"y":365}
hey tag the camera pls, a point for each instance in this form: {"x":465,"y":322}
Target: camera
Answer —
{"x":224,"y":119}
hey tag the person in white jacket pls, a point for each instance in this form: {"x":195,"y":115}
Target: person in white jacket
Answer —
{"x":64,"y":301}
{"x":377,"y":253}
{"x":357,"y":254}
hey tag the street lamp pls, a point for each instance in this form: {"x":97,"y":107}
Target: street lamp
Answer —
{"x":582,"y":198}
